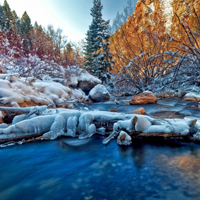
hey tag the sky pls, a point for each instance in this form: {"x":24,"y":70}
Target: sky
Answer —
{"x":72,"y":16}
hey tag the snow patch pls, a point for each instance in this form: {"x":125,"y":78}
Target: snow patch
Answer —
{"x":166,"y":6}
{"x":193,"y":94}
{"x":85,"y":76}
{"x":151,"y":7}
{"x":98,"y":89}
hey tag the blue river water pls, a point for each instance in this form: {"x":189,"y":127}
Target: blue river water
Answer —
{"x":75,"y":169}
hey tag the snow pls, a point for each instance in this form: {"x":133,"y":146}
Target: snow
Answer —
{"x":126,"y":141}
{"x":151,"y":7}
{"x":193,"y":94}
{"x":142,"y":124}
{"x":167,"y":8}
{"x":98,"y":89}
{"x":83,"y":124}
{"x":40,"y":92}
{"x":85,"y":76}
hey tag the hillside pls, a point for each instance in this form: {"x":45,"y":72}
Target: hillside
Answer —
{"x":149,"y":27}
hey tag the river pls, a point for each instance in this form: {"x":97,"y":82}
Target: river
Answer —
{"x":75,"y":169}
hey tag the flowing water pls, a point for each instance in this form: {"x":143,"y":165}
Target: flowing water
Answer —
{"x":87,"y":169}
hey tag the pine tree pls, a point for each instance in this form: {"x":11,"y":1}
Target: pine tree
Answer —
{"x":2,"y":18}
{"x":26,"y":26}
{"x":8,"y":15}
{"x":16,"y":22}
{"x":98,"y":59}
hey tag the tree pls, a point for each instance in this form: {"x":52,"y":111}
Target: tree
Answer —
{"x":8,"y":15}
{"x":97,"y":55}
{"x":25,"y":24}
{"x":16,"y":22}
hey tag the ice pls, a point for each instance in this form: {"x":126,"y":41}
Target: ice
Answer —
{"x":127,"y":139}
{"x":91,"y":130}
{"x":142,"y":124}
{"x":128,"y":125}
{"x":71,"y":126}
{"x":83,"y":124}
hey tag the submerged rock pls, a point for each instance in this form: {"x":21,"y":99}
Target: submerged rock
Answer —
{"x":140,"y":111}
{"x":113,"y":110}
{"x":99,"y":93}
{"x":143,"y":98}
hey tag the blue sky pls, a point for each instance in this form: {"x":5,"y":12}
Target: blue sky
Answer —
{"x":72,"y":16}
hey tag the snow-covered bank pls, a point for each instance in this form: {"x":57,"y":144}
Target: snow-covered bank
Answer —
{"x":50,"y":124}
{"x":29,"y":91}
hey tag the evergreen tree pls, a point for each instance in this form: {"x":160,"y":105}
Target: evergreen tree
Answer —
{"x":36,"y":26}
{"x":16,"y":22}
{"x":88,"y":52}
{"x":26,"y":26}
{"x":8,"y":15}
{"x":98,"y":59}
{"x":2,"y":18}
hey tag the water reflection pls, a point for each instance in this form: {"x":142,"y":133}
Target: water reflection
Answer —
{"x":56,"y":170}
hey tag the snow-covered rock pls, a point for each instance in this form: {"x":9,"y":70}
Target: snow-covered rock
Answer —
{"x":192,"y":96}
{"x":86,"y":81}
{"x":124,"y":138}
{"x":39,"y":92}
{"x":99,"y":93}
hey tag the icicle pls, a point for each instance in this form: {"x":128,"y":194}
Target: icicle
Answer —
{"x":110,"y":137}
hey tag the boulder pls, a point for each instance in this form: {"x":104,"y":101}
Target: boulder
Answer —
{"x":86,"y":81}
{"x":143,"y":98}
{"x":99,"y":93}
{"x":2,"y":115}
{"x":86,"y":86}
{"x":140,"y":111}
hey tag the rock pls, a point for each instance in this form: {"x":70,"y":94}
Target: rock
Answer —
{"x":194,"y":107}
{"x":86,"y":86}
{"x":88,"y":102}
{"x":165,"y":95}
{"x":113,"y":110}
{"x":143,"y":98}
{"x":184,"y":92}
{"x":118,"y":95}
{"x":190,"y":99}
{"x":99,"y":93}
{"x":140,"y":111}
{"x":86,"y":81}
{"x":2,"y":115}
{"x":1,"y":120}
{"x":124,"y":138}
